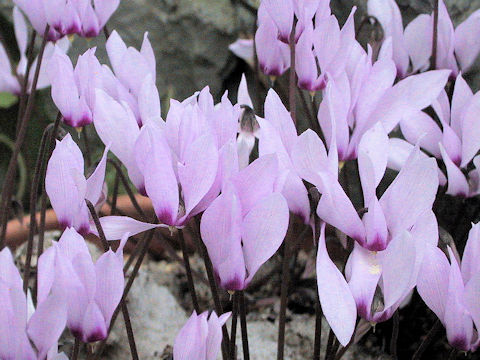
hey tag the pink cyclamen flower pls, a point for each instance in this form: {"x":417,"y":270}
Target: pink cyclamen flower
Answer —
{"x":456,"y":50}
{"x":135,"y":73}
{"x":327,"y":45}
{"x":456,"y":142}
{"x":414,"y":189}
{"x":365,"y":94}
{"x":245,"y":225}
{"x":67,"y":187}
{"x":278,"y":136}
{"x":200,"y":338}
{"x":14,"y":343}
{"x":73,"y":88}
{"x":451,"y":289}
{"x":11,"y":77}
{"x":91,"y":291}
{"x":273,"y":55}
{"x":376,"y":283}
{"x":66,"y":17}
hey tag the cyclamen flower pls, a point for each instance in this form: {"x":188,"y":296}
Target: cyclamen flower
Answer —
{"x":400,"y":207}
{"x":456,"y":142}
{"x":451,"y":289}
{"x":376,"y":283}
{"x":66,"y":17}
{"x":67,"y":187}
{"x":200,"y":338}
{"x":14,"y":342}
{"x":245,"y":225}
{"x":91,"y":291}
{"x":278,"y":136}
{"x":273,"y":55}
{"x":134,"y":79}
{"x":11,"y":78}
{"x":365,"y":95}
{"x":73,"y":90}
{"x":457,"y":48}
{"x":331,"y":49}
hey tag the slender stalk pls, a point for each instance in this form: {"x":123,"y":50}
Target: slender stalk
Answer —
{"x":116,"y":184}
{"x":76,"y":349}
{"x":243,"y":323}
{"x":126,"y":290}
{"x":24,"y":85}
{"x":41,"y":229}
{"x":333,"y":351}
{"x":33,"y":204}
{"x":126,"y":185}
{"x":233,"y":330}
{"x":88,"y":156}
{"x":318,"y":330}
{"x":453,"y":354}
{"x":98,"y":225}
{"x":331,"y":338}
{"x":123,"y":305}
{"x":344,"y":349}
{"x":8,"y":184}
{"x":428,"y":340}
{"x":186,"y":261}
{"x":106,"y":32}
{"x":213,"y":286}
{"x":283,"y":299}
{"x":394,"y":339}
{"x":292,"y":77}
{"x":435,"y":35}
{"x":128,"y":326}
{"x":135,"y":252}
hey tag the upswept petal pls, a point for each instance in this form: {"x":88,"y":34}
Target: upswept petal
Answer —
{"x":431,"y":284}
{"x":411,"y":193}
{"x":221,"y":232}
{"x":263,"y":230}
{"x":457,"y":183}
{"x":338,"y":304}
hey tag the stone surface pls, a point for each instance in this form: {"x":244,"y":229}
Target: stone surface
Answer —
{"x":156,"y":319}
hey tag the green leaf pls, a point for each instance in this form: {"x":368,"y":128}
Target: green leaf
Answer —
{"x":7,"y":100}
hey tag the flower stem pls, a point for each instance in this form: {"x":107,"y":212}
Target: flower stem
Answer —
{"x":126,"y":185}
{"x":394,"y":339}
{"x":435,"y":35}
{"x":76,"y":349}
{"x":233,"y":330}
{"x":292,"y":77}
{"x":98,"y":225}
{"x":213,"y":286}
{"x":127,"y":288}
{"x":283,"y":299}
{"x":186,"y":261}
{"x":130,"y":336}
{"x":243,"y":323}
{"x":318,"y":330}
{"x":33,"y":204}
{"x":428,"y":340}
{"x":9,"y":181}
{"x":24,"y":85}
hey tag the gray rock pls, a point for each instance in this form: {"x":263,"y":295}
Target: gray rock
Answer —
{"x":156,"y":318}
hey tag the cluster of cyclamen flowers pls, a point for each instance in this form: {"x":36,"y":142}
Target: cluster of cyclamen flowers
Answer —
{"x":198,"y":162}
